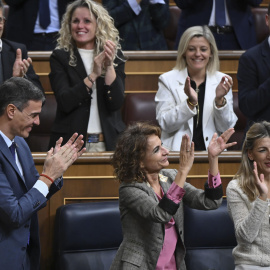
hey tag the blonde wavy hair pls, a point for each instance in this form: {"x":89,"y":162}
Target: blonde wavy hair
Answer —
{"x":105,"y":28}
{"x":245,"y":172}
{"x":197,"y":31}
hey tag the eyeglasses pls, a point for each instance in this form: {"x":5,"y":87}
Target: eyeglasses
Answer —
{"x":2,"y":20}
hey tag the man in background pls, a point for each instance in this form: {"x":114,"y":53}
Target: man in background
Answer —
{"x":35,"y":23}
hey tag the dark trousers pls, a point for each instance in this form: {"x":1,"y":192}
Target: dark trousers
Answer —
{"x":227,"y":41}
{"x":44,"y":42}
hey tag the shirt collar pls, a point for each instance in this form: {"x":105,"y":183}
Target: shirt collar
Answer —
{"x":6,"y":139}
{"x":1,"y":44}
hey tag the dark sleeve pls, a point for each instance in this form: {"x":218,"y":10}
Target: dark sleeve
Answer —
{"x":30,"y":74}
{"x":160,"y":15}
{"x":120,"y":12}
{"x":213,"y":193}
{"x":253,"y":97}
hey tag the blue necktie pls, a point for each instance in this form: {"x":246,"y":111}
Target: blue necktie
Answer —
{"x":220,"y":13}
{"x":44,"y":13}
{"x":12,"y":149}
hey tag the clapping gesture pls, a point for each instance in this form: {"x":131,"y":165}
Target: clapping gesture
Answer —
{"x":260,"y":183}
{"x":190,"y":92}
{"x":185,"y":160}
{"x":216,"y":146}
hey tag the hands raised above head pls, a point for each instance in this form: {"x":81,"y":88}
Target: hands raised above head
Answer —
{"x":21,"y":66}
{"x":61,"y":157}
{"x":218,"y":144}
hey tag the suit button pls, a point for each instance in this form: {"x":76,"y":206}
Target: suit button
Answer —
{"x":110,"y":98}
{"x":109,"y":92}
{"x":206,"y":138}
{"x":23,"y":248}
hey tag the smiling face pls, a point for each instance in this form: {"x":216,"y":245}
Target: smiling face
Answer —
{"x":198,"y":54}
{"x":156,"y":157}
{"x":83,"y":28}
{"x":261,"y":154}
{"x":23,"y":121}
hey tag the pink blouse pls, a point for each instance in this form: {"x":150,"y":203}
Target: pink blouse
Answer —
{"x":175,"y":193}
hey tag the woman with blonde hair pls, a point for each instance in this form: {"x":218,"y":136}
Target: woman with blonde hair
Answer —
{"x":248,"y":196}
{"x":194,"y":98}
{"x":87,"y":77}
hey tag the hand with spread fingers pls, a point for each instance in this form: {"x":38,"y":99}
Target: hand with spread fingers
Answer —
{"x":61,"y":157}
{"x":216,"y":146}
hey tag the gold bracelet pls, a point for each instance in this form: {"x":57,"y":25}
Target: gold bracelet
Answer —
{"x":223,"y":103}
{"x":191,"y":103}
{"x":90,"y":79}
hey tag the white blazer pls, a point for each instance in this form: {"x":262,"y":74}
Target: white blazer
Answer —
{"x":176,"y":118}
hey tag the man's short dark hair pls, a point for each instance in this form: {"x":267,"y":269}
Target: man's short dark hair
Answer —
{"x":19,"y":91}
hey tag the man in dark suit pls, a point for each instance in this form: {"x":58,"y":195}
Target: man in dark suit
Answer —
{"x":14,"y":59}
{"x":140,"y":22}
{"x":23,"y":23}
{"x":254,"y":81}
{"x":237,"y":33}
{"x":22,"y":190}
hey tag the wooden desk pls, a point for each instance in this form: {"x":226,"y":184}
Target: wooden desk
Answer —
{"x":91,"y":179}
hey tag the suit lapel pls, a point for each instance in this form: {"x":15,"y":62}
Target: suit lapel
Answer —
{"x":6,"y":152}
{"x":181,"y":80}
{"x":266,"y":54}
{"x":211,"y":83}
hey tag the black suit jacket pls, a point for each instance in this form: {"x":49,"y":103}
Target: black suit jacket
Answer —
{"x":73,"y":100}
{"x":22,"y":17}
{"x":254,"y":83}
{"x":8,"y":58}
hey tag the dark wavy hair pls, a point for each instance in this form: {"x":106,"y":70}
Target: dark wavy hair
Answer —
{"x":130,"y":151}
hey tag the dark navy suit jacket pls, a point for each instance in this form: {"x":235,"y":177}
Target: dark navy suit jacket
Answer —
{"x":143,"y":31}
{"x":197,"y":12}
{"x":254,"y":83}
{"x":22,"y":17}
{"x":9,"y":49}
{"x":19,"y":203}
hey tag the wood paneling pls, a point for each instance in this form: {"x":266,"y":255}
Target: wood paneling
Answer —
{"x":142,"y":68}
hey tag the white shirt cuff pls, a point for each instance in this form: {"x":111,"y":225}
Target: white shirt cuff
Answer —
{"x":41,"y":187}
